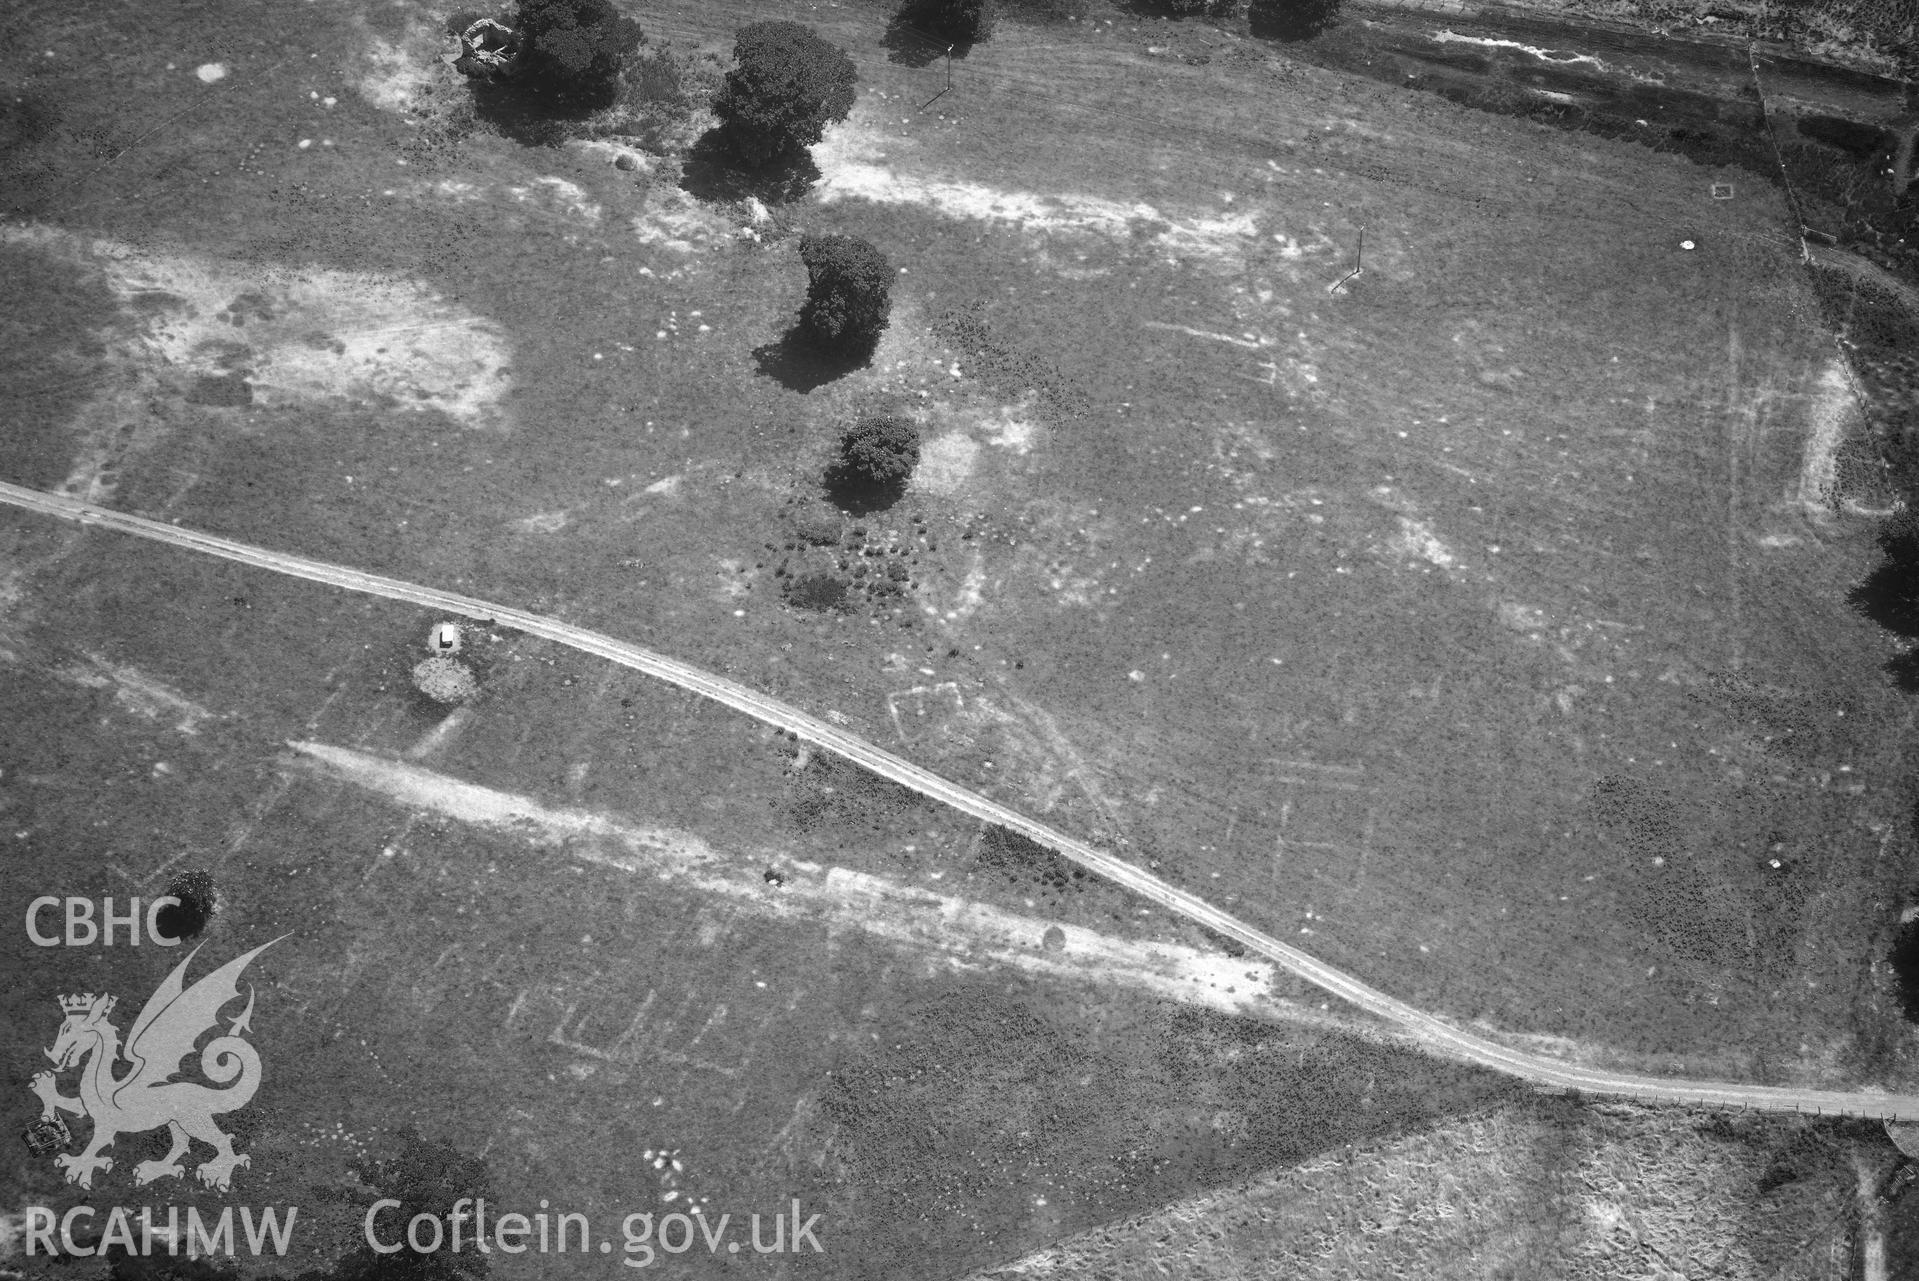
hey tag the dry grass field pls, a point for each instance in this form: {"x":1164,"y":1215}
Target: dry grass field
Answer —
{"x":1530,"y":1191}
{"x":1480,"y":625}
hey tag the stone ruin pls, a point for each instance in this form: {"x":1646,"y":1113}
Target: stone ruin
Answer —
{"x":489,"y":50}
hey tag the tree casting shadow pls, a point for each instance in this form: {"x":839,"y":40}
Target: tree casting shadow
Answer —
{"x":1301,"y":20}
{"x":713,"y":171}
{"x":1905,"y":966}
{"x":911,"y":40}
{"x":1889,"y":595}
{"x":1904,"y":671}
{"x":798,"y":365}
{"x":527,"y":114}
{"x":859,"y":495}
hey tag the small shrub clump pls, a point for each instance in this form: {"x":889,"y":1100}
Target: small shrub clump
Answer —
{"x":816,"y":524}
{"x":816,"y":591}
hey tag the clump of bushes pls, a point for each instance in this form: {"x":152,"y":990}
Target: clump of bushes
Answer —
{"x":830,"y":790}
{"x":816,"y":591}
{"x":816,"y":524}
{"x":848,"y":295}
{"x":787,"y":84}
{"x":1005,"y":366}
{"x":1889,"y":596}
{"x":1024,"y":859}
{"x":1292,"y":19}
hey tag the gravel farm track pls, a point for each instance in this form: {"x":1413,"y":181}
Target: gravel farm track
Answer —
{"x":1430,"y":1032}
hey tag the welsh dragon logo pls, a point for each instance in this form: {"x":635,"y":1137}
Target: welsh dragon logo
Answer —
{"x":146,"y":1096}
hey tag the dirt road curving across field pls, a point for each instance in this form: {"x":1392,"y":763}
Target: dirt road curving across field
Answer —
{"x":1431,"y":1032}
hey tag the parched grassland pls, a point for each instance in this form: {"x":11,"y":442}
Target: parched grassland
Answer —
{"x":1531,"y":1190}
{"x":1480,"y":625}
{"x":1360,"y":611}
{"x":1464,"y":513}
{"x":499,"y":981}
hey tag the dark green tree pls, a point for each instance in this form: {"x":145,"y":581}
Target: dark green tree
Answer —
{"x":786,"y":86}
{"x":956,"y":19}
{"x":848,"y":295}
{"x":1889,"y":596}
{"x":1292,"y":19}
{"x":880,"y":452}
{"x":574,"y":50}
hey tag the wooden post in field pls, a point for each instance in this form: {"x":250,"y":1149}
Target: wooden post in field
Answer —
{"x":949,"y":81}
{"x":1357,"y":257}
